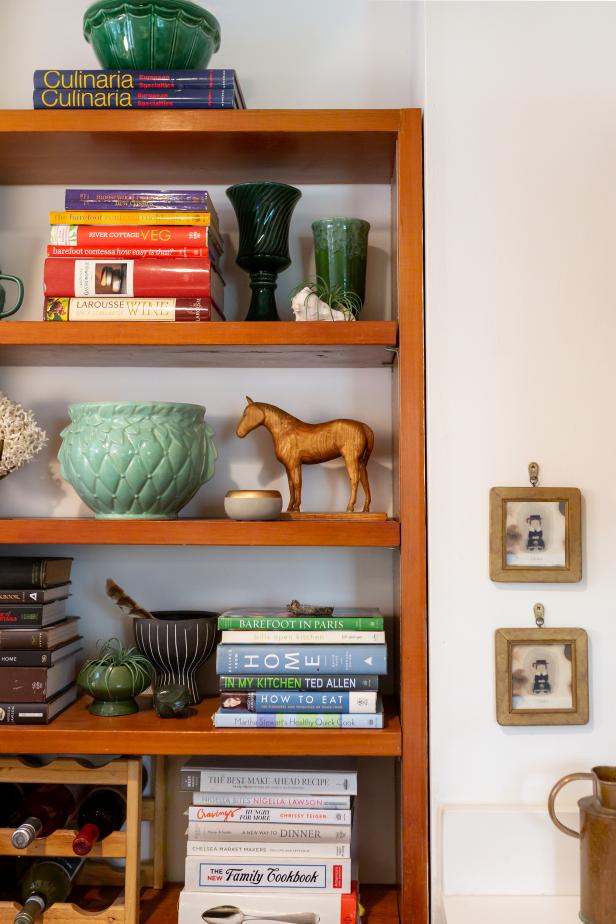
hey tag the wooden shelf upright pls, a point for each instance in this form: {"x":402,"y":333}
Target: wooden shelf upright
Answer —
{"x":301,"y":147}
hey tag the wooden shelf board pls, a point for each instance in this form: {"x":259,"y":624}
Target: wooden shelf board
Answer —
{"x":192,"y":146}
{"x":380,"y":902}
{"x":59,"y":844}
{"x":77,"y":731}
{"x":90,"y":531}
{"x":229,"y":343}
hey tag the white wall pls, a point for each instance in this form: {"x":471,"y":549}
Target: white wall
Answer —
{"x":521,"y":136}
{"x":346,"y":53}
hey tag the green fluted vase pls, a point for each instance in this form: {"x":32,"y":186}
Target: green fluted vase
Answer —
{"x":137,"y":459}
{"x":263,"y":213}
{"x":340,"y":251}
{"x":151,"y":34}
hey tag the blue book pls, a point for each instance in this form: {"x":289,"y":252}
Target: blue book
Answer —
{"x":284,"y":701}
{"x":53,"y":79}
{"x":318,"y":720}
{"x":199,"y":98}
{"x":301,"y":659}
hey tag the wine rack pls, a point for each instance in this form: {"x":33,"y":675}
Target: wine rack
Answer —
{"x":125,"y":845}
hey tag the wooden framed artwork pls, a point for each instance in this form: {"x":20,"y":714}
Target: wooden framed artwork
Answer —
{"x":535,"y":535}
{"x":541,"y":676}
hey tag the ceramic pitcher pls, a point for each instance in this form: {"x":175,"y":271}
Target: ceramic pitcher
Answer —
{"x":597,"y":837}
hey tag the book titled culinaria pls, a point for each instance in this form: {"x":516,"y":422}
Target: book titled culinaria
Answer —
{"x":54,"y":79}
{"x":136,"y":99}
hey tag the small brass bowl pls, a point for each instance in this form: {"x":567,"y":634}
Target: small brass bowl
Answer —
{"x":253,"y":505}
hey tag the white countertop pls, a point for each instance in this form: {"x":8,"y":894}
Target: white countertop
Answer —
{"x":511,"y":909}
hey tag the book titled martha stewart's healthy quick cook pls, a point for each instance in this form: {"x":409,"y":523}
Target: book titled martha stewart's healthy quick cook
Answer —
{"x":301,"y":659}
{"x":320,"y":720}
{"x":64,"y":276}
{"x":108,"y":308}
{"x":194,"y":98}
{"x":230,"y":775}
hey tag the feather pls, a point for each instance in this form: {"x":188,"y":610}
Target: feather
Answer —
{"x":128,"y":606}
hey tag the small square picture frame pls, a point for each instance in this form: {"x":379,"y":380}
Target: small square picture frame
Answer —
{"x":536,"y":535}
{"x":541,"y":676}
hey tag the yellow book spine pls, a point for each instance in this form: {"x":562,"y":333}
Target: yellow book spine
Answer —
{"x":129,"y":218}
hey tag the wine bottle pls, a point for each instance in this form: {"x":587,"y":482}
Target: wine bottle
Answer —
{"x":101,"y":812}
{"x":12,"y":798}
{"x":45,"y":882}
{"x":46,"y":808}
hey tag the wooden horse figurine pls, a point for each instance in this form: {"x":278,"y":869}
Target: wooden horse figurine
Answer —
{"x":297,"y":443}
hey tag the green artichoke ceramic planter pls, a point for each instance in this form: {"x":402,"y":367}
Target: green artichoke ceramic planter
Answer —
{"x":151,"y":34}
{"x":137,"y":459}
{"x":113,"y":688}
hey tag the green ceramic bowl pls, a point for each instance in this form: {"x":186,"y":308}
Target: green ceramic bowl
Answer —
{"x":151,"y":34}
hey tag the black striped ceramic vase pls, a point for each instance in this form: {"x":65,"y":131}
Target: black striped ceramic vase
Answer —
{"x":264,"y":216}
{"x":177,"y":643}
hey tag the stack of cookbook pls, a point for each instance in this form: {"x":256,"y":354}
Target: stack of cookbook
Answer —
{"x":40,"y":646}
{"x":134,"y":255}
{"x":283,"y":668}
{"x":270,"y":840}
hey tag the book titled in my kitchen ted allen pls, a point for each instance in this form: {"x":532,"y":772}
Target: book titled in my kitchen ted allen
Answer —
{"x":321,"y":682}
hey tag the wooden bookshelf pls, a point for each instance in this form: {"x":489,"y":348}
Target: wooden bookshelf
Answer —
{"x":90,"y":531}
{"x":76,"y":731}
{"x":268,"y":344}
{"x":204,"y":148}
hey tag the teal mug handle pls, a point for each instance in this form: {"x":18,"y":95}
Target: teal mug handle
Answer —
{"x":20,"y":295}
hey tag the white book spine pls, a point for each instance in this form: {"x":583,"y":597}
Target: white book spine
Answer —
{"x":316,"y":875}
{"x":221,"y":831}
{"x":243,"y":814}
{"x":281,"y":637}
{"x":323,"y":907}
{"x":289,"y":782}
{"x":271,"y":800}
{"x":253,"y":850}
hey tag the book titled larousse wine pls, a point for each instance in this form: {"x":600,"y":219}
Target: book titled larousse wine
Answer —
{"x":107,"y":308}
{"x":141,"y":278}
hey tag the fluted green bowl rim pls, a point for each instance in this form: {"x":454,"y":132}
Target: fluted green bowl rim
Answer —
{"x":191,"y":13}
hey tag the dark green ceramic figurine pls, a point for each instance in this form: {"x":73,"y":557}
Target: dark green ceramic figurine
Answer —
{"x":264,"y":215}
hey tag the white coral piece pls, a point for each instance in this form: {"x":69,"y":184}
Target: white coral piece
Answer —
{"x":307,"y":306}
{"x":21,"y":435}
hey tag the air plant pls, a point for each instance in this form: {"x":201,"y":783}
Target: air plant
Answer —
{"x":111,"y":653}
{"x":347,"y":303}
{"x":20,"y":437}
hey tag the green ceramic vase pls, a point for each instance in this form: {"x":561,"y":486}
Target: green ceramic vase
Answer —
{"x":113,"y":688}
{"x":340,"y":251}
{"x":151,"y":34}
{"x":137,"y":459}
{"x":264,"y":216}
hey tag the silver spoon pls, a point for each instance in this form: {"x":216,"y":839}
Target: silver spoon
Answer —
{"x":229,"y":914}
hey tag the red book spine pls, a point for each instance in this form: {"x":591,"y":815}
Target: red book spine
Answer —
{"x":142,"y":278}
{"x":131,"y":236}
{"x":131,"y":253}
